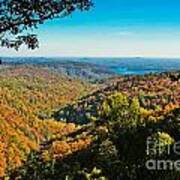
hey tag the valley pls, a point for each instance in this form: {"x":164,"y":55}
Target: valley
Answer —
{"x":52,"y":125}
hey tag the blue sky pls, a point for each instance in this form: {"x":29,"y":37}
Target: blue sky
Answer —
{"x":113,"y":28}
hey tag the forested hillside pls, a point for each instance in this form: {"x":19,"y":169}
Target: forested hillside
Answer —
{"x":55,"y":127}
{"x":156,"y":94}
{"x":28,"y":96}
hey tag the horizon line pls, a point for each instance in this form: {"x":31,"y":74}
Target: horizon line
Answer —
{"x":90,"y":57}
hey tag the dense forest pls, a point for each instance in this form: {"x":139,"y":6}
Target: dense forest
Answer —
{"x":27,"y":97}
{"x":57,"y":127}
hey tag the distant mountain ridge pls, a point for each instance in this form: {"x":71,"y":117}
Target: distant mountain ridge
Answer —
{"x":98,"y":68}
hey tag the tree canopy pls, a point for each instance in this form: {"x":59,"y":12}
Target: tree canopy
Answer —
{"x":19,"y":17}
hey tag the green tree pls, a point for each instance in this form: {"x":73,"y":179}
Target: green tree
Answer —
{"x":118,"y":108}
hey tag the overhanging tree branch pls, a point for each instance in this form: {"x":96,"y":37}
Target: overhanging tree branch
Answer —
{"x":17,"y":17}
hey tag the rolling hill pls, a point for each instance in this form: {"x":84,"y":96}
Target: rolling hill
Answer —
{"x":28,"y":96}
{"x":56,"y":127}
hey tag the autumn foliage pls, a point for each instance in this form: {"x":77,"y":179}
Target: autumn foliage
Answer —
{"x":54,"y":126}
{"x":27,"y":97}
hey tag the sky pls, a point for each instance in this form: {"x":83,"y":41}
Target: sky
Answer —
{"x":112,"y":28}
